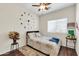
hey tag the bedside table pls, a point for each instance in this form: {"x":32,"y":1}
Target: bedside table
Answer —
{"x":13,"y":45}
{"x":73,"y":39}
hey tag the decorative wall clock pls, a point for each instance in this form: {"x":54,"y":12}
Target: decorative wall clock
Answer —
{"x":28,"y":21}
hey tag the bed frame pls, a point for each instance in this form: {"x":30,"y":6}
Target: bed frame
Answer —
{"x":31,"y":46}
{"x":31,"y":31}
{"x":53,"y":52}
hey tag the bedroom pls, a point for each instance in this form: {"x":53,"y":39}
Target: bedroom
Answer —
{"x":23,"y":17}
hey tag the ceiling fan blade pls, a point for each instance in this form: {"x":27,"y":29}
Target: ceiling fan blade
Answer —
{"x":46,"y":8}
{"x":48,"y":3}
{"x":36,"y":5}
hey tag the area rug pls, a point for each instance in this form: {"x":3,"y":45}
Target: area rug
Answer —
{"x":28,"y":51}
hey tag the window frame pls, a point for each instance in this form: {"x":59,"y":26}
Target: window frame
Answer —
{"x":58,"y":20}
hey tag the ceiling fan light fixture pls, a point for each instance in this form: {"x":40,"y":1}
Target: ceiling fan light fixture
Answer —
{"x":42,"y":6}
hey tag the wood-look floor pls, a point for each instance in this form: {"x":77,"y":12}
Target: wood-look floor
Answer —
{"x":64,"y":51}
{"x":13,"y":53}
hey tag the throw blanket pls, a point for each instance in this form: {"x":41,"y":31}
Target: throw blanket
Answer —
{"x":56,"y":40}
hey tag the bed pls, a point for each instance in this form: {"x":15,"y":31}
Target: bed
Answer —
{"x":42,"y":43}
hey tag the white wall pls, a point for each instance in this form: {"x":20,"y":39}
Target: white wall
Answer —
{"x":9,"y":21}
{"x":77,"y":31}
{"x":68,"y":12}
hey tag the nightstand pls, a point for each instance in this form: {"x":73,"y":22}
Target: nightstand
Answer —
{"x":13,"y":45}
{"x":73,"y":39}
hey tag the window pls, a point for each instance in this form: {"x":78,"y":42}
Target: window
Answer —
{"x":59,"y":26}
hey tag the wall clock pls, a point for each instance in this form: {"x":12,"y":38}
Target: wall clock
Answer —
{"x":27,"y":21}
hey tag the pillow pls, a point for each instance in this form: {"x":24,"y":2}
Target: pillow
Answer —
{"x":31,"y":35}
{"x":37,"y":34}
{"x":56,"y":40}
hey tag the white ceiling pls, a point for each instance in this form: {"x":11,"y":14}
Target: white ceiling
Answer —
{"x":53,"y":7}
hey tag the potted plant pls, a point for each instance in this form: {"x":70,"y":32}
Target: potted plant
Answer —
{"x":14,"y":35}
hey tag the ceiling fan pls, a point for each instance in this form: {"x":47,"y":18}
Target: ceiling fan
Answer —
{"x":42,"y":6}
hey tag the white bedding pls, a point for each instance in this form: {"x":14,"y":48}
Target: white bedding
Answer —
{"x":43,"y":44}
{"x":44,"y":39}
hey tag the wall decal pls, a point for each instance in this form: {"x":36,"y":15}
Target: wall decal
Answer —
{"x":21,"y":14}
{"x":28,"y":14}
{"x":24,"y":12}
{"x":25,"y":27}
{"x":19,"y":18}
{"x":29,"y":21}
{"x":21,"y":23}
{"x":31,"y":15}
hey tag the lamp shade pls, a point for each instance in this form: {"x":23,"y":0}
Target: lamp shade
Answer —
{"x":71,"y":24}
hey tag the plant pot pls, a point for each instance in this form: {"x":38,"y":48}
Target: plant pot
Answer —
{"x":14,"y":41}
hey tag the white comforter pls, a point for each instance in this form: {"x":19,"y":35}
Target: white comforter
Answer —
{"x":44,"y":39}
{"x":43,"y":44}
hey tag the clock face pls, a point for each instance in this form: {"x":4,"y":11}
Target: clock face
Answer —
{"x":28,"y":21}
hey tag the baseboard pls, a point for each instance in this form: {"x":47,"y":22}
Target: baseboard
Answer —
{"x":6,"y":51}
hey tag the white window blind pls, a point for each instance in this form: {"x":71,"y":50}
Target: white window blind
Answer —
{"x":59,"y":25}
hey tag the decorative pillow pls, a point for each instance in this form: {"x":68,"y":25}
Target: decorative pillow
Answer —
{"x":31,"y":35}
{"x":56,"y":40}
{"x":37,"y":34}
